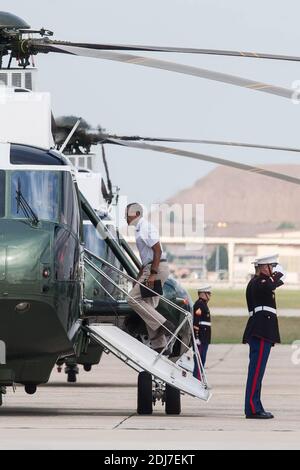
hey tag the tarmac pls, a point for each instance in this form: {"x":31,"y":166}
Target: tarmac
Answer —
{"x":99,"y":412}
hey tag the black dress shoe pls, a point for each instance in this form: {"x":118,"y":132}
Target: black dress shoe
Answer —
{"x":260,"y":415}
{"x":167,"y":352}
{"x":271,"y":416}
{"x":165,"y":329}
{"x":169,"y":325}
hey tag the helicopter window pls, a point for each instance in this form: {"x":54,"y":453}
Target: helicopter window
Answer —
{"x":40,"y":189}
{"x":81,"y":161}
{"x":93,"y":241}
{"x":16,"y":79}
{"x":70,"y":207}
{"x":89,"y":163}
{"x":72,"y":160}
{"x":99,"y":247}
{"x":28,"y":80}
{"x":66,"y":255}
{"x":2,"y":193}
{"x":24,"y":155}
{"x":3,"y":79}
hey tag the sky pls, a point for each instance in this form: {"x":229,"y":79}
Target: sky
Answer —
{"x":134,"y":100}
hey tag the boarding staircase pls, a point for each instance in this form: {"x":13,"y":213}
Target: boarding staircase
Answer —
{"x":141,"y":357}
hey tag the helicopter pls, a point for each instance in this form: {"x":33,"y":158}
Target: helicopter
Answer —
{"x":44,"y":298}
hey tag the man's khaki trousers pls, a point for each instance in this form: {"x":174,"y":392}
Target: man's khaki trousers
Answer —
{"x":146,"y":308}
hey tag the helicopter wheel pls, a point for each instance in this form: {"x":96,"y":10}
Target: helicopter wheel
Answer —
{"x":30,"y":389}
{"x":173,"y":400}
{"x":72,"y":376}
{"x":2,"y":392}
{"x":144,"y":399}
{"x":87,"y":367}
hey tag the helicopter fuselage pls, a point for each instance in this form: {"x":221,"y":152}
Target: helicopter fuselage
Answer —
{"x":40,"y":269}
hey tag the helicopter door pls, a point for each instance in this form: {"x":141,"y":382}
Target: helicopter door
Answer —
{"x":100,"y":288}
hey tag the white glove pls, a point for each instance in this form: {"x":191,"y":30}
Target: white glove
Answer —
{"x":279,"y":269}
{"x":198,"y":342}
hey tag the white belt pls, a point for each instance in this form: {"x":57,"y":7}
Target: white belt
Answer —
{"x":205,"y":323}
{"x":263,"y":308}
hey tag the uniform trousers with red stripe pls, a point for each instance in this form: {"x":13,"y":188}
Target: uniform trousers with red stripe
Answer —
{"x":259,"y":354}
{"x":202,"y":348}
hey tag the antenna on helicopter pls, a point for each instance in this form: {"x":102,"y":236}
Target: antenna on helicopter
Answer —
{"x":64,"y":145}
{"x":107,"y":191}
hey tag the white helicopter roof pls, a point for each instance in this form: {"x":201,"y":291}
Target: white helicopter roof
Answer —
{"x":89,"y":184}
{"x":25,"y":117}
{"x":25,"y":157}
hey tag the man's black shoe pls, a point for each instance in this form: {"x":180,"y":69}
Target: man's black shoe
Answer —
{"x":168,"y":326}
{"x":167,"y":352}
{"x":260,"y":415}
{"x":166,"y":329}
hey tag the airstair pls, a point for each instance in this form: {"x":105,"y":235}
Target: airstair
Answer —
{"x":165,"y":374}
{"x":140,"y":357}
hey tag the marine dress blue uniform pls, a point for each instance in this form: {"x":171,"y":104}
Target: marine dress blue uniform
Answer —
{"x":262,"y":332}
{"x":202,"y":329}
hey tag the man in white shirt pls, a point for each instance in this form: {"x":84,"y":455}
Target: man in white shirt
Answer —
{"x":154,"y":267}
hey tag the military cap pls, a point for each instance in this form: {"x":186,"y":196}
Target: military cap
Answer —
{"x":269,"y":259}
{"x":204,"y":288}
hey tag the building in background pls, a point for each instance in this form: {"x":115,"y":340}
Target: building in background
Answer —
{"x":241,"y":222}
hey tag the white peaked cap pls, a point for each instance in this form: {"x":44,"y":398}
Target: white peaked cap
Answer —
{"x":270,"y":259}
{"x":204,"y":288}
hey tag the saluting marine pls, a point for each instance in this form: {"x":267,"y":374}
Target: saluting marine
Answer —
{"x":262,"y":330}
{"x":202,"y":326}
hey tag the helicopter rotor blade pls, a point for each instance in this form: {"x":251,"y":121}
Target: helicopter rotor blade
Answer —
{"x":170,"y":66}
{"x":203,"y":141}
{"x":210,"y":159}
{"x":180,"y":50}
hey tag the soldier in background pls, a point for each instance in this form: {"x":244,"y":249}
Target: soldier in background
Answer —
{"x":262,"y":330}
{"x":202,"y":326}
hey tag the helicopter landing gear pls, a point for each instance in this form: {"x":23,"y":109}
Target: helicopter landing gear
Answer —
{"x":2,"y":392}
{"x":30,"y":389}
{"x":172,"y":400}
{"x":87,"y":367}
{"x":145,"y":395}
{"x":59,"y":365}
{"x":72,"y":371}
{"x":149,"y":394}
